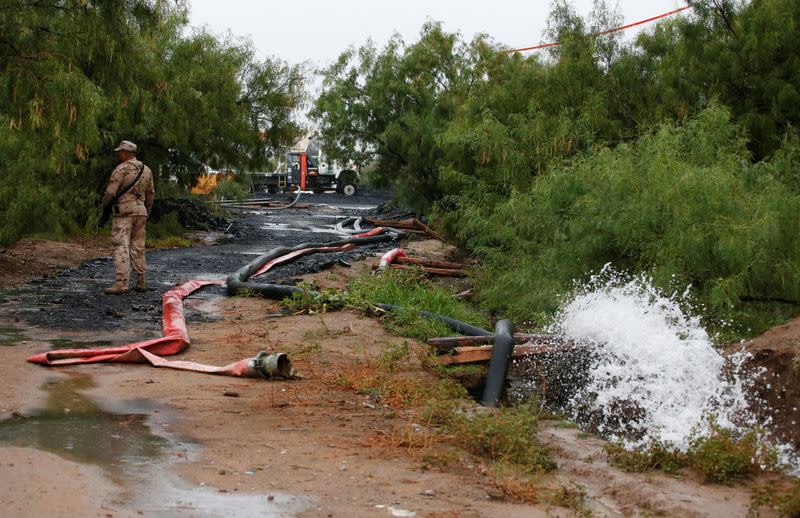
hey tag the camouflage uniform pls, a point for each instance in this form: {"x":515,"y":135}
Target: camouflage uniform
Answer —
{"x":129,"y":216}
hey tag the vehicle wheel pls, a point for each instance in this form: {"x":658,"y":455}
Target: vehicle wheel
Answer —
{"x":349,"y":189}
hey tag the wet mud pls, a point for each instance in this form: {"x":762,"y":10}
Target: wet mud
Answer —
{"x":73,"y":426}
{"x":74,"y":298}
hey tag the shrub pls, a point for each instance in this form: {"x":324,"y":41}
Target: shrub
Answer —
{"x":229,"y":189}
{"x":683,"y":204}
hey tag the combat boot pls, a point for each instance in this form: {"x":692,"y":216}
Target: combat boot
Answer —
{"x":117,"y":289}
{"x":140,"y":284}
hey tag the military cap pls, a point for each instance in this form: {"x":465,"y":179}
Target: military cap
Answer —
{"x":126,"y":145}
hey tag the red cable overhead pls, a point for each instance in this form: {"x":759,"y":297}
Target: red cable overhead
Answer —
{"x":615,"y":29}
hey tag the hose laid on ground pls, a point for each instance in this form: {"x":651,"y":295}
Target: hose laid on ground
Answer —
{"x":357,"y":229}
{"x":239,"y":281}
{"x":456,"y":325}
{"x":175,"y":340}
{"x":299,"y":192}
{"x":356,"y":226}
{"x":502,"y":348}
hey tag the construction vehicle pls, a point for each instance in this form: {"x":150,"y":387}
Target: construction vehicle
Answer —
{"x":306,"y":167}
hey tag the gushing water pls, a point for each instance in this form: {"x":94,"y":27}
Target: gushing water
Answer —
{"x":652,"y":373}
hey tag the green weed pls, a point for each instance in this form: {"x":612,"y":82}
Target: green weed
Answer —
{"x":720,"y":456}
{"x":507,"y":435}
{"x":314,"y":300}
{"x":169,"y":242}
{"x":230,"y":190}
{"x":414,"y":293}
{"x":725,"y":458}
{"x":656,"y":456}
{"x":571,"y":497}
{"x":167,"y":233}
{"x":782,"y":498}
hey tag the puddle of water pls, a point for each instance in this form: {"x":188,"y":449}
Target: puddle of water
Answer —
{"x":171,"y":497}
{"x":284,"y":227}
{"x":357,"y":207}
{"x":11,"y":336}
{"x":66,"y":343}
{"x":72,"y":426}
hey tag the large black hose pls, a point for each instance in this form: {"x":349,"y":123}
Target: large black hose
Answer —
{"x":502,"y":348}
{"x":299,"y":192}
{"x":238,"y":281}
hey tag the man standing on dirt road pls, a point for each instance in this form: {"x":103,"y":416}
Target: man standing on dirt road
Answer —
{"x":130,"y":195}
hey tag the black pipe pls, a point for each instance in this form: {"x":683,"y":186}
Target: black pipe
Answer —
{"x":502,"y":348}
{"x":456,"y":325}
{"x":238,"y":281}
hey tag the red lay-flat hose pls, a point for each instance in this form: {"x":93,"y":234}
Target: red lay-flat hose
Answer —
{"x":175,"y":340}
{"x":173,"y":327}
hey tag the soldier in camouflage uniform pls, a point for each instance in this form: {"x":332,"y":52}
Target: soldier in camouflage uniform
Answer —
{"x":129,"y":214}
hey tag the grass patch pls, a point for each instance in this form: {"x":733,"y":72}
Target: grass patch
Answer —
{"x":507,"y":436}
{"x":167,"y":233}
{"x":169,"y":242}
{"x":315,"y":300}
{"x":409,"y":289}
{"x":721,"y":456}
{"x":784,"y":499}
{"x":414,"y":292}
{"x":444,"y":425}
{"x":571,"y":497}
{"x":656,"y":456}
{"x":725,"y":458}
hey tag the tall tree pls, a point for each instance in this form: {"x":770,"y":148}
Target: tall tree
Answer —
{"x":76,"y":76}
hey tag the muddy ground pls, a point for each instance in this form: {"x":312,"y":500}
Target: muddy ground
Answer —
{"x":131,"y":440}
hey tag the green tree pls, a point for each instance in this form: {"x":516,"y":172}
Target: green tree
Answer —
{"x":390,"y":105}
{"x":77,"y":76}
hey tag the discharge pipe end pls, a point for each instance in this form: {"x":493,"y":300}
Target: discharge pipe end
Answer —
{"x":271,"y":366}
{"x":502,"y":349}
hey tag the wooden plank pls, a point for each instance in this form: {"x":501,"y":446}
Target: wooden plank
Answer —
{"x":448,"y":343}
{"x":483,"y":353}
{"x":444,"y":272}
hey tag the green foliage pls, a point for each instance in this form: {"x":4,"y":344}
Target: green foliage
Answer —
{"x":673,"y":155}
{"x":721,"y":457}
{"x":168,"y":227}
{"x":656,"y":456}
{"x":508,"y":436}
{"x":230,"y":190}
{"x":77,"y":77}
{"x":683,"y":203}
{"x":390,"y":105}
{"x":414,"y":293}
{"x":785,"y":500}
{"x":314,"y":300}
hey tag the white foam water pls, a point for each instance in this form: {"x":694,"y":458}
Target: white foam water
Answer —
{"x":655,"y":374}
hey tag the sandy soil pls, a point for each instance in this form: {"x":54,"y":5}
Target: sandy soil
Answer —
{"x":304,"y":447}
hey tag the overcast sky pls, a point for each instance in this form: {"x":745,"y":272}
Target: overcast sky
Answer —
{"x":319,"y":30}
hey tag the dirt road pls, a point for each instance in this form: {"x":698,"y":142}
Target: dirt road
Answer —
{"x":131,"y":440}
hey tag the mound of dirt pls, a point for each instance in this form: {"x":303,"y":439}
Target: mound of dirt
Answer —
{"x":777,"y":354}
{"x":30,"y":258}
{"x":190,"y":214}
